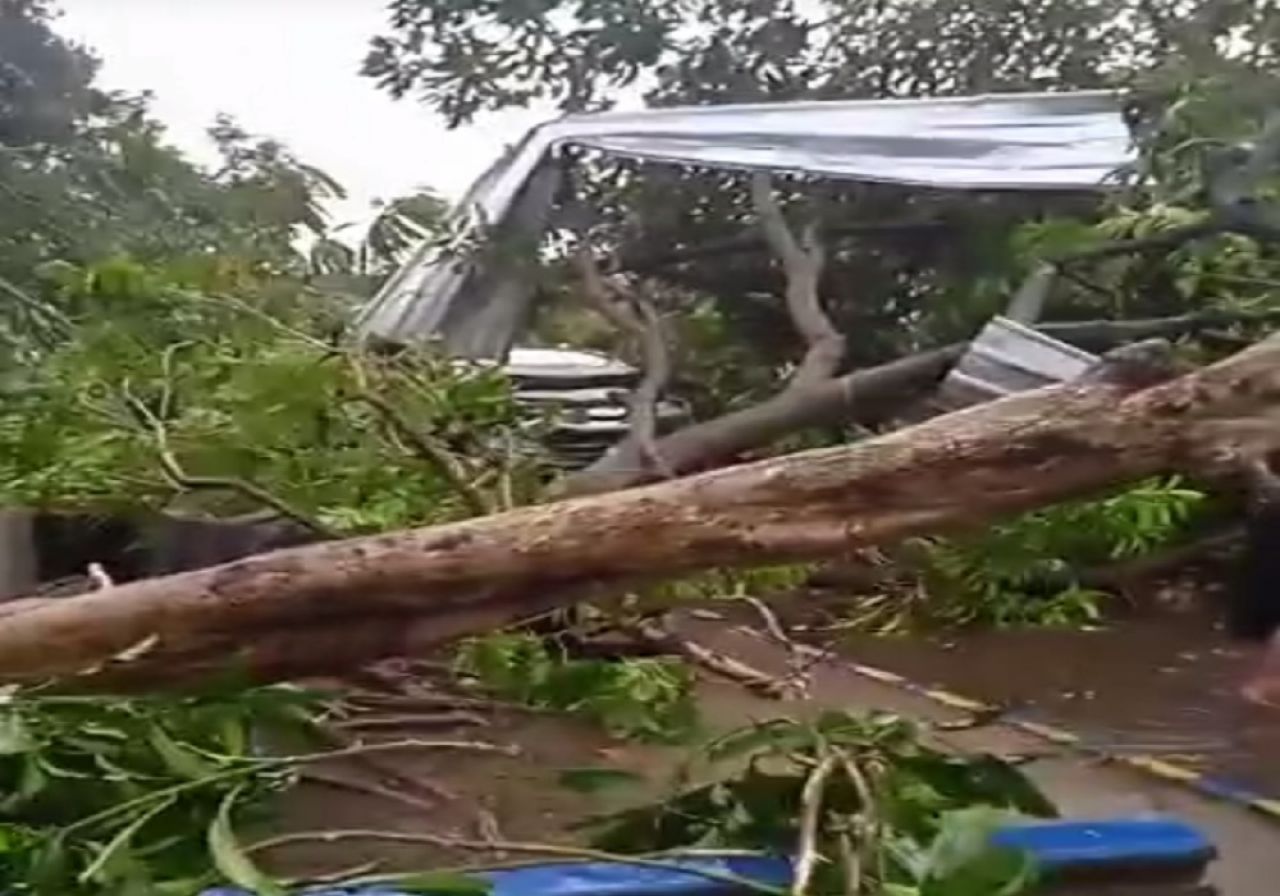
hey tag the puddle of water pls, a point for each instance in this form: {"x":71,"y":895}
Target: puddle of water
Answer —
{"x":1165,"y":686}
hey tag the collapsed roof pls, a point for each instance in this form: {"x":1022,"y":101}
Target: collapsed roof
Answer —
{"x":1045,"y":141}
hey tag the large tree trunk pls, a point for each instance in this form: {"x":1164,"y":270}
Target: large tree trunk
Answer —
{"x":863,"y":396}
{"x":309,"y":609}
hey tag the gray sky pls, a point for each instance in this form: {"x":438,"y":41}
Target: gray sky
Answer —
{"x":287,"y":69}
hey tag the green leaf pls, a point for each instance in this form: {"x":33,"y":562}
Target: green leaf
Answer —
{"x":776,"y":734}
{"x":595,"y":780}
{"x":996,"y":872}
{"x":964,"y":835}
{"x":962,"y":862}
{"x":231,"y":861}
{"x":234,"y":736}
{"x":31,"y":781}
{"x":1011,"y":784}
{"x":121,"y":841}
{"x":51,"y":869}
{"x":179,"y":759}
{"x":890,"y":889}
{"x":15,"y":736}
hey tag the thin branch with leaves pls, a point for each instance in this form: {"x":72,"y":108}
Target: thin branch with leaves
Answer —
{"x":178,"y":477}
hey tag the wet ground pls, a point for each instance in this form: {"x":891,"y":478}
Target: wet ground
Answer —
{"x":1163,"y":684}
{"x":481,"y":796}
{"x":1081,"y":787}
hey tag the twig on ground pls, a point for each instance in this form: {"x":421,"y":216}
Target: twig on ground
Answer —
{"x":798,"y":678}
{"x":804,"y":657}
{"x":487,"y":827}
{"x":419,"y":720}
{"x":384,"y":771}
{"x":335,"y":877}
{"x":726,"y":666}
{"x":362,"y":749}
{"x":377,"y":790}
{"x":434,"y":701}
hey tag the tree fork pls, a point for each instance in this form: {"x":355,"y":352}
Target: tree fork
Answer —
{"x":361,"y":598}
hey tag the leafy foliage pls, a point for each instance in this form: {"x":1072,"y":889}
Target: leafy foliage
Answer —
{"x":465,"y":57}
{"x":241,"y":395}
{"x":44,"y":81}
{"x":646,"y":699}
{"x":1026,"y":572}
{"x":861,"y":799}
{"x":906,"y":269}
{"x":726,"y":584}
{"x":136,"y":795}
{"x":87,"y":174}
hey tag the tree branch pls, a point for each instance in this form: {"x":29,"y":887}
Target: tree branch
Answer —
{"x":802,"y":261}
{"x":429,"y":450}
{"x":1234,"y":175}
{"x":860,"y":396}
{"x":180,"y":479}
{"x":634,"y":316}
{"x":1232,"y":184}
{"x":1166,"y":241}
{"x":1105,"y":334}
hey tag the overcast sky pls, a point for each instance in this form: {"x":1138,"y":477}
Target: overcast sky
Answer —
{"x":288,"y":69}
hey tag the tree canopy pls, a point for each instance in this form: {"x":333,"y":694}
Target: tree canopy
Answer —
{"x":905,"y":268}
{"x":87,"y":173}
{"x":463,"y":56}
{"x":166,"y":343}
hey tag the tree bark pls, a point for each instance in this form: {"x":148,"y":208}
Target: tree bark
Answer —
{"x":802,"y":259}
{"x":304,"y":610}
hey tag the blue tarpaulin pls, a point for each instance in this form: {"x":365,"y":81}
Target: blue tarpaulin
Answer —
{"x":1129,"y":846}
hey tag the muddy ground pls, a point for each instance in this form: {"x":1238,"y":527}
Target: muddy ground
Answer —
{"x":1158,"y":678}
{"x":518,"y":798}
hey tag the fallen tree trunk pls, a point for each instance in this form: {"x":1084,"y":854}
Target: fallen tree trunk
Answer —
{"x":862,"y":396}
{"x":303,"y":610}
{"x":870,"y":392}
